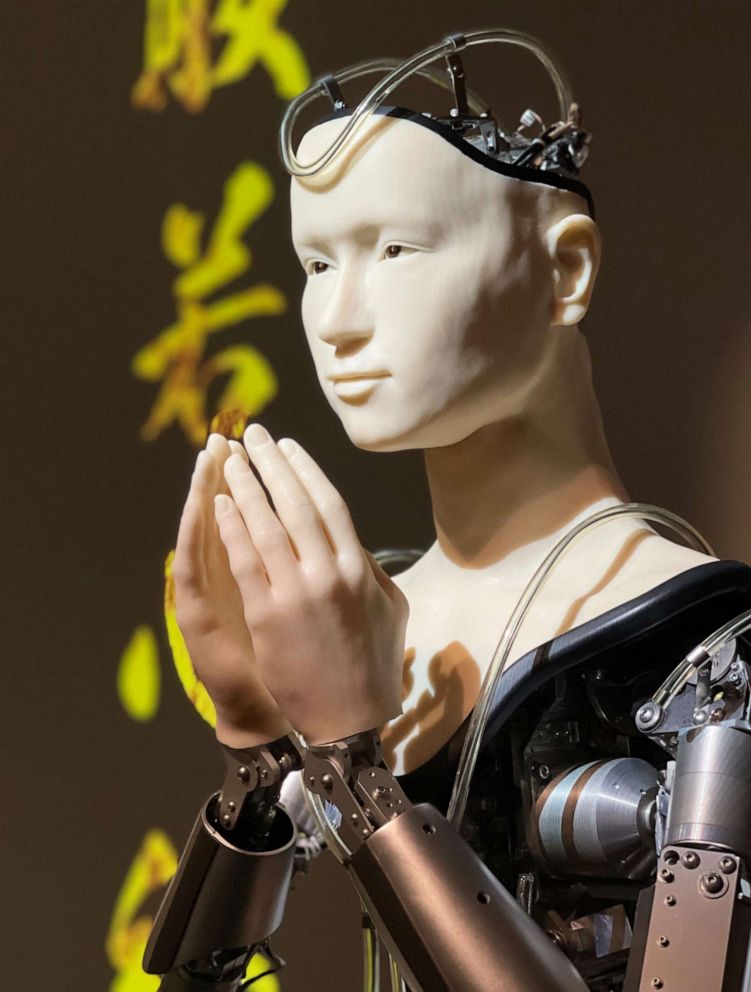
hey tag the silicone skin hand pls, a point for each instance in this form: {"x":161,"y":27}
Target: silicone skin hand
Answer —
{"x":210,"y":612}
{"x":327,"y":624}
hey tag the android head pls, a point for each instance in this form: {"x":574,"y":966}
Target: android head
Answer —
{"x":435,"y":287}
{"x":440,"y":281}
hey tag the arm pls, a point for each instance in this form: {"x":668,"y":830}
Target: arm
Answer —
{"x":239,"y":854}
{"x":323,"y":616}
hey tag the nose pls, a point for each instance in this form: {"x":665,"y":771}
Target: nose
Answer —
{"x":344,"y":320}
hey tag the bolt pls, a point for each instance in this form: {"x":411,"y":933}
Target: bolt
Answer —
{"x":666,"y":875}
{"x":670,"y":900}
{"x":656,"y":983}
{"x":327,"y":782}
{"x":649,"y":716}
{"x":735,"y":677}
{"x":727,"y":865}
{"x":690,"y":859}
{"x":712,"y":883}
{"x":544,"y":772}
{"x":663,"y":941}
{"x":243,"y":774}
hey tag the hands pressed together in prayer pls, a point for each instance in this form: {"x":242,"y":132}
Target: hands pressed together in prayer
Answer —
{"x":289,"y":622}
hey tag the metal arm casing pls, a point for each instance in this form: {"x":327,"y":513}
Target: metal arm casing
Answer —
{"x":446,"y":919}
{"x":222,"y":896}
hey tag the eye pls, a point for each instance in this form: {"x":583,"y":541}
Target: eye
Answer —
{"x":393,"y":251}
{"x":316,"y":267}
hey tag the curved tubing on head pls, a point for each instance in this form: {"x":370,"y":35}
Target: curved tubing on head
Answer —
{"x":397,"y":73}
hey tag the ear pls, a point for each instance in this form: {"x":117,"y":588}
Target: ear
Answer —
{"x":574,"y":247}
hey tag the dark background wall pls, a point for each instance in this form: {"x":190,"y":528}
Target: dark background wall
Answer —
{"x":90,"y":509}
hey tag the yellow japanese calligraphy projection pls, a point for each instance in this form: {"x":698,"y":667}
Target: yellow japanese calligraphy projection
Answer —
{"x":192,"y":47}
{"x":177,"y":356}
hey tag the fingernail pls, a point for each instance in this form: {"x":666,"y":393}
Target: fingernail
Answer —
{"x":287,"y":446}
{"x":221,"y":505}
{"x":256,"y":435}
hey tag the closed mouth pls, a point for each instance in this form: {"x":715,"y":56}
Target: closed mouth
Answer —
{"x":357,"y":376}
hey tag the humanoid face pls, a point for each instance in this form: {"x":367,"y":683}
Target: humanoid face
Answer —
{"x":428,"y":298}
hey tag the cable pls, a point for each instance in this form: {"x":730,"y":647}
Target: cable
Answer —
{"x":481,"y":711}
{"x":417,"y":64}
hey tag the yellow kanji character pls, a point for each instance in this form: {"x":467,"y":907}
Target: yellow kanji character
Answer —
{"x":182,"y":39}
{"x":176,"y":357}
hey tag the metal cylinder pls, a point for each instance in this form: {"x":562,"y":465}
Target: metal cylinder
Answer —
{"x":711,"y":796}
{"x":598,"y":819}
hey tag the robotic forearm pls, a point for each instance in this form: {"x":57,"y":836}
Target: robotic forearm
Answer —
{"x":231,"y":886}
{"x":444,"y":917}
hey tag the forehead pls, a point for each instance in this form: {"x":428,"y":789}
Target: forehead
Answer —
{"x":395,"y":171}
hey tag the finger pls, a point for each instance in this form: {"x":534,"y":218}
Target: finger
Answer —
{"x":219,"y":449}
{"x":292,"y":502}
{"x":238,"y":449}
{"x":266,"y":531}
{"x":189,"y":550}
{"x":244,"y":561}
{"x":330,"y":506}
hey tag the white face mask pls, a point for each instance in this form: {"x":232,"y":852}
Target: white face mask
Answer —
{"x":429,"y":291}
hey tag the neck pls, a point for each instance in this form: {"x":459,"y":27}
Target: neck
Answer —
{"x":523,"y":477}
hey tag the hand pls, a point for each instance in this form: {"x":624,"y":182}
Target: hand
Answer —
{"x":326,"y":622}
{"x":209,"y":612}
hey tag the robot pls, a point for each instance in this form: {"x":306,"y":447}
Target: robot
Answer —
{"x":596,"y":833}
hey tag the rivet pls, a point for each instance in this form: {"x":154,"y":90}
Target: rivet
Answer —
{"x":243,"y":774}
{"x":231,"y":807}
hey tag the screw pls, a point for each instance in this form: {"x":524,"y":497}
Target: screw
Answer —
{"x":243,"y":774}
{"x":649,"y":716}
{"x":226,"y":819}
{"x":264,"y":773}
{"x":365,"y":832}
{"x":354,"y":818}
{"x":735,"y":677}
{"x":666,"y":875}
{"x":712,"y":883}
{"x":671,"y":857}
{"x":327,"y":782}
{"x":231,"y":807}
{"x":670,"y":900}
{"x":718,"y":715}
{"x":312,"y":781}
{"x":372,"y":774}
{"x":544,"y":772}
{"x":656,"y":983}
{"x":700,"y":716}
{"x":727,"y":865}
{"x":663,"y":941}
{"x":690,"y":859}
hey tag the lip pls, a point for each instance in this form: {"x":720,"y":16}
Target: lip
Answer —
{"x":354,"y":376}
{"x":356,"y":387}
